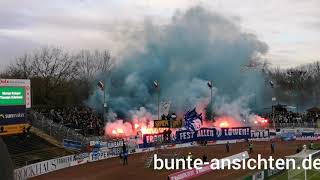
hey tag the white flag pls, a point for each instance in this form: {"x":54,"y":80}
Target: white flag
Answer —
{"x":165,"y":107}
{"x":209,"y":83}
{"x":155,"y":83}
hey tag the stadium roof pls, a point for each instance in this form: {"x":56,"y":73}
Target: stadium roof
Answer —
{"x":314,"y":109}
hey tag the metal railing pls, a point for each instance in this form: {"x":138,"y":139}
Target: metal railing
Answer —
{"x":60,"y":131}
{"x":296,"y":125}
{"x":57,"y":130}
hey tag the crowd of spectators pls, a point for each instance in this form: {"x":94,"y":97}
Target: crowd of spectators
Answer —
{"x":82,"y":119}
{"x":286,"y":118}
{"x":88,"y":122}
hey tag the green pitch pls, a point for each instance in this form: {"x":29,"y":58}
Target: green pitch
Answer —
{"x":312,"y":175}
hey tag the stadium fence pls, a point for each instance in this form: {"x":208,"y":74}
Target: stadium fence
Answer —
{"x":59,"y":131}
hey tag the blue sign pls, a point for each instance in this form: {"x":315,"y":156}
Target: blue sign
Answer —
{"x":288,"y":136}
{"x":107,"y":144}
{"x":150,"y":139}
{"x":307,"y":134}
{"x":114,"y":147}
{"x":81,"y":156}
{"x":70,"y":144}
{"x":203,"y":134}
{"x":98,"y":155}
{"x":235,"y":133}
{"x":12,"y":115}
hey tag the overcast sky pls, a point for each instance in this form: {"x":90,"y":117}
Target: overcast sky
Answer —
{"x":291,"y":28}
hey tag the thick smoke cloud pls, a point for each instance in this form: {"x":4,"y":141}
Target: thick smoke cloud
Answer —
{"x":196,"y":46}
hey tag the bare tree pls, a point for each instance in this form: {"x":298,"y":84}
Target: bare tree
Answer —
{"x":105,"y":62}
{"x":22,"y":68}
{"x":54,"y":64}
{"x":94,"y":63}
{"x":297,"y":85}
{"x":57,"y":77}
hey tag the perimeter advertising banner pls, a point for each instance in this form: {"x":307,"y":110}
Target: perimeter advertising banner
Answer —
{"x":260,"y":133}
{"x":112,"y":148}
{"x":97,"y":155}
{"x":73,"y":145}
{"x":43,"y":167}
{"x":12,"y":115}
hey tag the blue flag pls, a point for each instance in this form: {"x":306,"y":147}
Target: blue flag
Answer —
{"x":193,"y":120}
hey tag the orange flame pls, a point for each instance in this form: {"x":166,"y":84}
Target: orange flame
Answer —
{"x":224,"y":124}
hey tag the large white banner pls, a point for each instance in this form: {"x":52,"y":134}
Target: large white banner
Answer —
{"x":165,"y":107}
{"x":43,"y":167}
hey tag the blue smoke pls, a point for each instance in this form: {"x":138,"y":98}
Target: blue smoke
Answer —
{"x":196,"y":46}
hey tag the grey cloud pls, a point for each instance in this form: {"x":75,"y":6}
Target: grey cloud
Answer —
{"x":11,"y":47}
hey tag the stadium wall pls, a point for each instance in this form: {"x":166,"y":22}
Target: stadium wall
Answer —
{"x":51,"y":165}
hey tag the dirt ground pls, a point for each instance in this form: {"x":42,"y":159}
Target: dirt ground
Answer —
{"x":112,"y":169}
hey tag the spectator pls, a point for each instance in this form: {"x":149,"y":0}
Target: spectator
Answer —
{"x":272,"y":147}
{"x":228,"y":146}
{"x":292,"y":119}
{"x":250,"y":147}
{"x":124,"y":147}
{"x":125,"y":158}
{"x":311,"y":145}
{"x":204,"y":158}
{"x":298,"y":149}
{"x":82,"y":119}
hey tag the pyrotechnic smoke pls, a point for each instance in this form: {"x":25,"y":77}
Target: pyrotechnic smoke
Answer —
{"x":196,"y":46}
{"x":141,"y":122}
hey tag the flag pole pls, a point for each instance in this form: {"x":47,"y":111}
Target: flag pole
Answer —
{"x":102,"y":88}
{"x":158,"y":102}
{"x":157,"y":87}
{"x":104,"y":102}
{"x":211,"y":102}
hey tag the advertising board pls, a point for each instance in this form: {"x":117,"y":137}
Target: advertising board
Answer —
{"x":70,"y":144}
{"x":12,"y":96}
{"x":43,"y":167}
{"x":166,"y":123}
{"x":12,"y":115}
{"x":97,"y":155}
{"x":15,"y":91}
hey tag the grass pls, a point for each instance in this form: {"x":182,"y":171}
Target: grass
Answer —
{"x":311,"y":175}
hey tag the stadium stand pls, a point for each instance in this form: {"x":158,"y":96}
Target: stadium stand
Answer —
{"x":82,"y":119}
{"x":30,"y":148}
{"x":286,"y":118}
